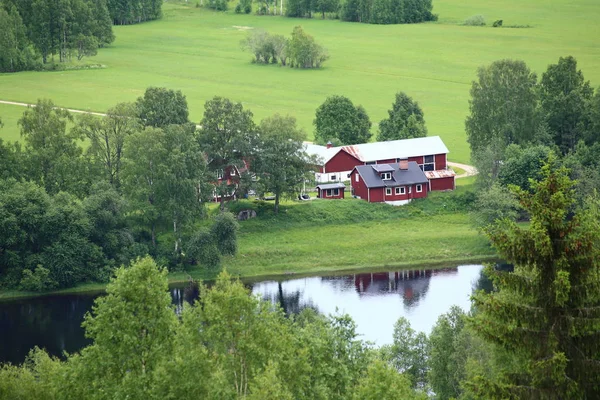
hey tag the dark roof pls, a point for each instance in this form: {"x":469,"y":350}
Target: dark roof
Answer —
{"x":400,"y":177}
{"x":325,"y":186}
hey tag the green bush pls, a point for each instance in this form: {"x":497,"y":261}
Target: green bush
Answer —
{"x":37,"y":281}
{"x":224,"y":232}
{"x":201,"y":249}
{"x":497,"y":23}
{"x":475,"y":20}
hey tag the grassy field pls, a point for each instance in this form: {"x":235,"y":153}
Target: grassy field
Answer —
{"x":198,"y":52}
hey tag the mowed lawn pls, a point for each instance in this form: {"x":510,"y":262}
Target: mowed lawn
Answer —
{"x":198,"y":52}
{"x":443,"y":239}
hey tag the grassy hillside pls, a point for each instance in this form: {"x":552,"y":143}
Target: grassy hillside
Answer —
{"x":198,"y":51}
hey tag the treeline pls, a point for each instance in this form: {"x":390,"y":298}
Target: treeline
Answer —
{"x":34,"y":32}
{"x":70,"y":215}
{"x":557,"y":115}
{"x":62,"y":28}
{"x":300,"y":51}
{"x":366,"y":11}
{"x":125,"y":12}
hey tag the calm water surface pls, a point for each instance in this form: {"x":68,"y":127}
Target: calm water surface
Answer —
{"x":374,"y":300}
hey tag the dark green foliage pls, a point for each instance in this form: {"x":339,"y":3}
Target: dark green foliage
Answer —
{"x":299,"y":8}
{"x":228,"y":138}
{"x":202,"y":249}
{"x":565,"y":96}
{"x":126,"y":12}
{"x":497,"y":23}
{"x":545,"y":313}
{"x":11,"y":161}
{"x":219,"y":5}
{"x":66,"y":27}
{"x":71,"y":241}
{"x":522,"y":164}
{"x":405,"y":121}
{"x":37,"y":281}
{"x":224,"y":230}
{"x":493,"y":118}
{"x":281,"y":163}
{"x":337,"y":119}
{"x":16,"y":51}
{"x":304,"y":52}
{"x":160,"y":107}
{"x":388,"y":11}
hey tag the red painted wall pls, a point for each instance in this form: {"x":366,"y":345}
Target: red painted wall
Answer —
{"x":390,"y":161}
{"x":440,"y":161}
{"x":342,"y":161}
{"x":324,"y":194}
{"x":418,"y":160}
{"x":442,"y":183}
{"x":359,"y":188}
{"x":376,"y":195}
{"x":381,"y":196}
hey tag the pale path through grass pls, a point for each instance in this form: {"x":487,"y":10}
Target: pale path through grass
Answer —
{"x":198,"y":52}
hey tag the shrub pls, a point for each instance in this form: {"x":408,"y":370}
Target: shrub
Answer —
{"x":224,"y":232}
{"x":238,"y":8}
{"x":497,"y":23}
{"x":475,"y":20}
{"x":202,"y":249}
{"x":37,"y":281}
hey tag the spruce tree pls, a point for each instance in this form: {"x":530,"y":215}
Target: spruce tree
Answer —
{"x":546,"y":313}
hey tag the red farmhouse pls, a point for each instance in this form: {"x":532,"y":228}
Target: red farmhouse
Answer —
{"x":429,"y":153}
{"x":331,"y":190}
{"x":394,"y":184}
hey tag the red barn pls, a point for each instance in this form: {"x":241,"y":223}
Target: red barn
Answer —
{"x":430,"y":154}
{"x":394,"y":184}
{"x":331,"y":191}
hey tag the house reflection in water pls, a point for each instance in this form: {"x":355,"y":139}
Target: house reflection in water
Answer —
{"x":412,"y":285}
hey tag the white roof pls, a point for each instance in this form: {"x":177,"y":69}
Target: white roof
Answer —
{"x":384,"y":150}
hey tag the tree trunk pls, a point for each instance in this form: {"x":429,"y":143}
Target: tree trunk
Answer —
{"x":153,"y":235}
{"x":222,"y":201}
{"x":276,"y":203}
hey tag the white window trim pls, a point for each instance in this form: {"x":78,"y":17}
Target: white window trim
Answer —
{"x":356,"y":177}
{"x":386,"y":176}
{"x":419,"y":188}
{"x":336,"y":192}
{"x":333,"y":177}
{"x":327,"y":192}
{"x":397,"y":190}
{"x":388,"y":191}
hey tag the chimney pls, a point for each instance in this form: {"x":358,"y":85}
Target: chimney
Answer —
{"x":403,"y":165}
{"x":329,"y":144}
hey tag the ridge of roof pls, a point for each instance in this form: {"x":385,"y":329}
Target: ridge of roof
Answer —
{"x":373,"y":151}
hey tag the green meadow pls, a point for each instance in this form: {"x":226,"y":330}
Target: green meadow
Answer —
{"x":198,"y":51}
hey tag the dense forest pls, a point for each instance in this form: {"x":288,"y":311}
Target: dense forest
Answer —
{"x":72,"y":214}
{"x":35,"y":32}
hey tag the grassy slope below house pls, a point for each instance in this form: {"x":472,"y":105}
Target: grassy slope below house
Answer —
{"x":198,"y":51}
{"x":335,"y":235}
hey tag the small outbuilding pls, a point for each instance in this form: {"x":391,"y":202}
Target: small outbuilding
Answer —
{"x":331,"y":190}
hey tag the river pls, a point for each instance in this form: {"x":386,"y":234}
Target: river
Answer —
{"x":375,"y":300}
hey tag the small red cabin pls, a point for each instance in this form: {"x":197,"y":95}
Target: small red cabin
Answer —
{"x":331,"y":191}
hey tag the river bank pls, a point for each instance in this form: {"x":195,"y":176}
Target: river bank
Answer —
{"x":325,"y":237}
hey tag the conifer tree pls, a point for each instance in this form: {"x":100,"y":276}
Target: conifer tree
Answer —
{"x":547,"y":312}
